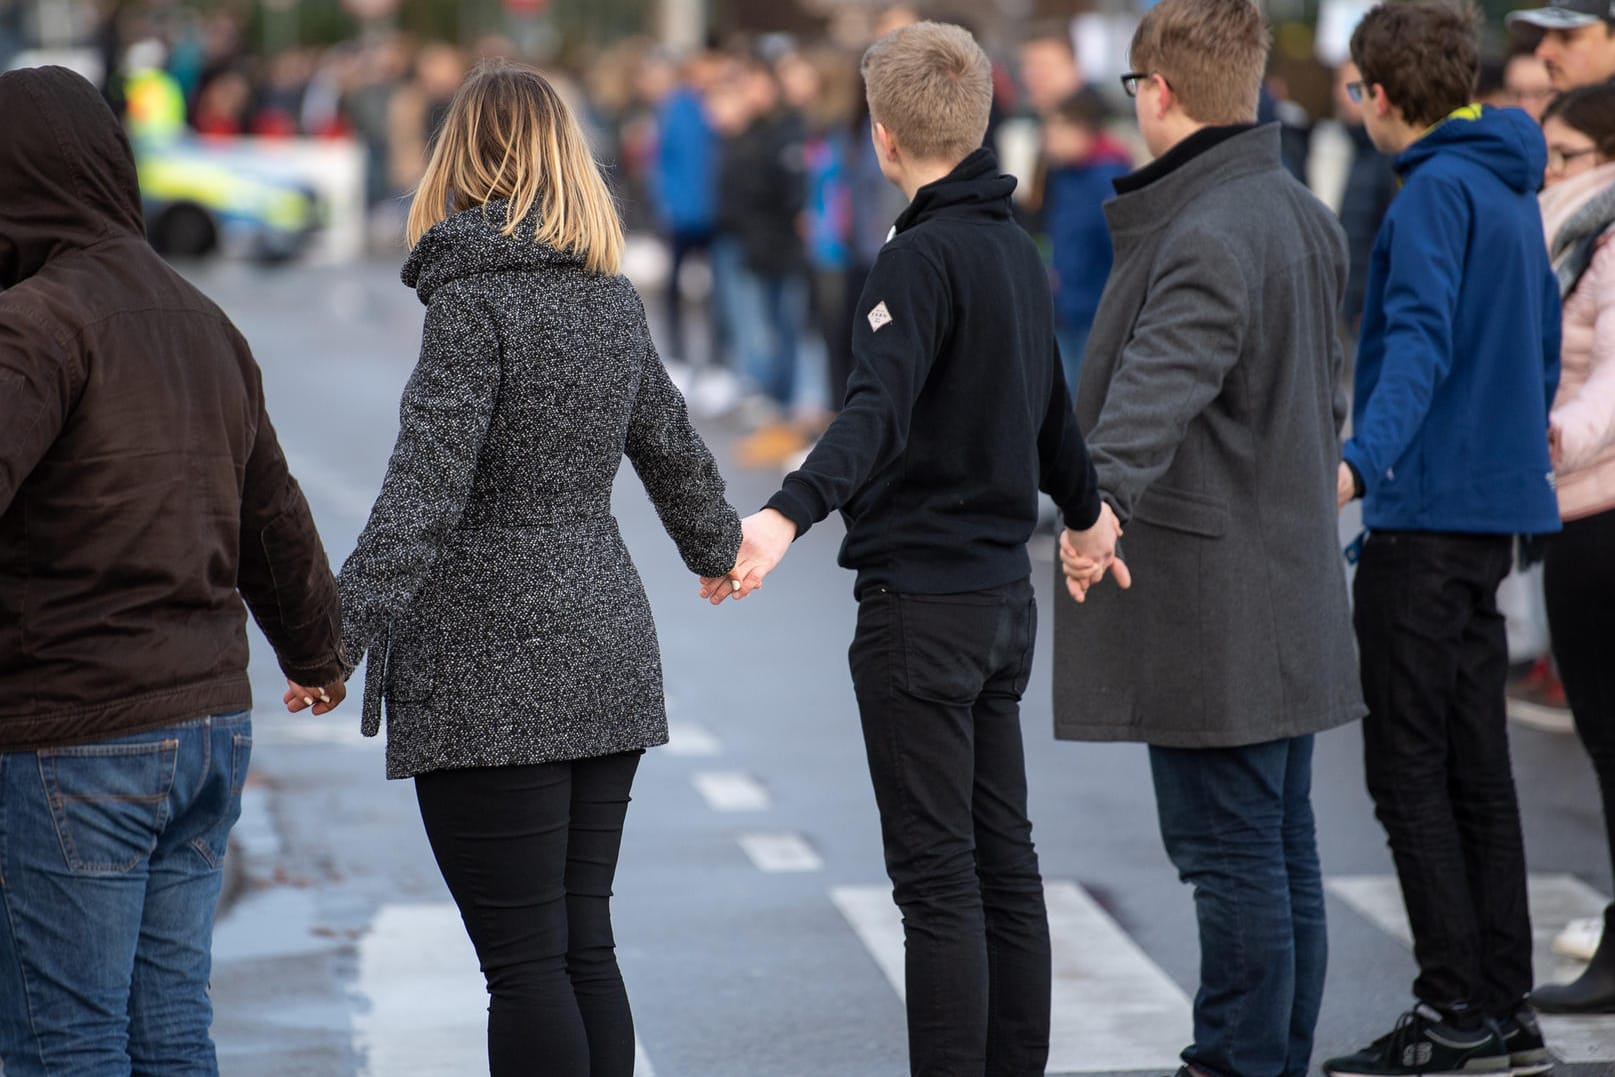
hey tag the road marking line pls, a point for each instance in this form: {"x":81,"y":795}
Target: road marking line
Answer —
{"x":1114,"y":1008}
{"x":1555,"y":901}
{"x":780,"y":851}
{"x":425,"y":1009}
{"x":690,"y":740}
{"x":731,"y":791}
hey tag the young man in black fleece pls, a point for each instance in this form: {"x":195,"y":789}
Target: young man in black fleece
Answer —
{"x":957,"y":413}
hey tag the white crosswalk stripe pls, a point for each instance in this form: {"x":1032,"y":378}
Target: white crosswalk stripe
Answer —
{"x":1555,"y":901}
{"x":691,"y":740}
{"x":427,"y":1012}
{"x":780,"y":852}
{"x":1113,"y":1007}
{"x":731,"y":791}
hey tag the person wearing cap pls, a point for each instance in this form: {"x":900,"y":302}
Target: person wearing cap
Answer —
{"x":1577,"y":40}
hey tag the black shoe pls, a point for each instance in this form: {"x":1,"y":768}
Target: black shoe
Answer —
{"x":1423,"y":1045}
{"x":1528,"y":1056}
{"x":1594,"y":990}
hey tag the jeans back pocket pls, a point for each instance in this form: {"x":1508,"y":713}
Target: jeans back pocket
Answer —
{"x":109,"y":801}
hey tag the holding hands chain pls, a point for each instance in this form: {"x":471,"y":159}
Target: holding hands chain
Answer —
{"x":1085,"y":556}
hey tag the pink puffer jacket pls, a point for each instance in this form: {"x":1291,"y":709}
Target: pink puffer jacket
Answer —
{"x":1584,"y":407}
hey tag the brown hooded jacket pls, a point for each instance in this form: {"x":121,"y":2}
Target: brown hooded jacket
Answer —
{"x":142,"y":491}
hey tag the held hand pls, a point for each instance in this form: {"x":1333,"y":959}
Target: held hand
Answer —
{"x":1085,"y":556}
{"x":765,"y":538}
{"x":323,"y":700}
{"x":1345,"y":485}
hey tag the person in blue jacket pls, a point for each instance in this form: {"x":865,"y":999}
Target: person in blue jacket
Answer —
{"x":1458,"y":362}
{"x":1083,"y":161}
{"x":684,"y":185}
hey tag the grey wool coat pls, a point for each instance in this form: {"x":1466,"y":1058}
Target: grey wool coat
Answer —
{"x":503,"y":618}
{"x":1209,"y":395}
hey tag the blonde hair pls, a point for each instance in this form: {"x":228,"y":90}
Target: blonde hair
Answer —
{"x":931,"y":87}
{"x":1213,"y":53}
{"x":508,"y":135}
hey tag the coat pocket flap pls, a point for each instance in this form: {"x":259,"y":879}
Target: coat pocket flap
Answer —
{"x":1178,"y":510}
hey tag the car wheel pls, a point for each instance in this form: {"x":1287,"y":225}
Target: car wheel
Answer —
{"x":184,"y":232}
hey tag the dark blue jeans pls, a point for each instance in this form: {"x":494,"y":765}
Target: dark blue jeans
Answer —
{"x":939,"y":680}
{"x":1237,"y":823}
{"x":110,"y":857}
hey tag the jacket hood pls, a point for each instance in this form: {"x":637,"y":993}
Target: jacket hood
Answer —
{"x":67,"y":175}
{"x":1503,"y":140}
{"x":469,"y":243}
{"x":974,"y":187}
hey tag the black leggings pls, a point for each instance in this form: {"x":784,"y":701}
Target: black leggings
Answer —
{"x":529,"y":853}
{"x":1578,"y":576}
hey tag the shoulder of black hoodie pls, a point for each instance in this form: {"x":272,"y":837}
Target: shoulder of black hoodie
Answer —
{"x":892,"y":363}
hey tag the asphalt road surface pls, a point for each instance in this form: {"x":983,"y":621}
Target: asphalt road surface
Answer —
{"x":755,"y":926}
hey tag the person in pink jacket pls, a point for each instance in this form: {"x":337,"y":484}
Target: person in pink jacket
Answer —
{"x":1578,"y":209}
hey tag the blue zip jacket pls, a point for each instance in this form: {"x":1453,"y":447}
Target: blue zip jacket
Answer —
{"x":1459,"y":355}
{"x":685,"y":181}
{"x":1074,"y":216}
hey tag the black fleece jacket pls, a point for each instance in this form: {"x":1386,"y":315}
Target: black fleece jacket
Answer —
{"x":957,"y":412}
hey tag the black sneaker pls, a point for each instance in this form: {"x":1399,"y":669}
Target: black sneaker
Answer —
{"x":1527,"y":1055}
{"x":1422,"y":1045}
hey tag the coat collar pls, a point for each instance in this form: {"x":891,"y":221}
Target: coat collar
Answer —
{"x":1156,"y":205}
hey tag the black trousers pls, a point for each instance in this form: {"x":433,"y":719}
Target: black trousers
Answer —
{"x":939,"y":680}
{"x":529,"y":853}
{"x":1434,"y":662}
{"x":1578,"y":574}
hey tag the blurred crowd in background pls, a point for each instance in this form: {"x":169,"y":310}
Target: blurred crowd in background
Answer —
{"x":743,"y":162}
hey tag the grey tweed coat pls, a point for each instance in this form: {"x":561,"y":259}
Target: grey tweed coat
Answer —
{"x":503,"y":618}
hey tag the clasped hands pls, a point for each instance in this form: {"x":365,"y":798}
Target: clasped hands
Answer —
{"x":766,"y":536}
{"x":1085,"y":556}
{"x":323,"y":700}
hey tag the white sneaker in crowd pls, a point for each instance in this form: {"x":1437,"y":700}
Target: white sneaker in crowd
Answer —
{"x":713,"y":392}
{"x":1580,"y":938}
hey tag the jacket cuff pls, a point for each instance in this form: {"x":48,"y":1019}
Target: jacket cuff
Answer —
{"x":1356,"y":458}
{"x":1082,"y":514}
{"x":316,"y":674}
{"x":790,"y":504}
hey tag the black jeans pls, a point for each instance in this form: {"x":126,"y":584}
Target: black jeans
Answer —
{"x":1434,"y":662}
{"x":529,"y":853}
{"x":939,"y":680}
{"x":1578,"y":574}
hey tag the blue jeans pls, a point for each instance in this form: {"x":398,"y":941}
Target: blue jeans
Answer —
{"x":1237,"y":823}
{"x":110,"y":857}
{"x":769,"y":317}
{"x":1073,"y":343}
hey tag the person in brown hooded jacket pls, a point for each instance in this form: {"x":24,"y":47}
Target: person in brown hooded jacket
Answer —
{"x":142,"y":496}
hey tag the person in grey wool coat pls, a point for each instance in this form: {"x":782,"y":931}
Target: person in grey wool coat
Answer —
{"x":1209,"y":400}
{"x":505,"y":626}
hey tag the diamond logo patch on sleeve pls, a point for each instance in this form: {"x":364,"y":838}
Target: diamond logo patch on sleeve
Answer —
{"x":880,"y":317}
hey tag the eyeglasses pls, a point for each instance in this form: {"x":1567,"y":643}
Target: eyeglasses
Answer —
{"x":1131,"y":80}
{"x":1357,"y":91}
{"x":1559,"y":158}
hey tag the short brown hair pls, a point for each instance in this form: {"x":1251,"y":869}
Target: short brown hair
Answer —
{"x":1590,"y":110}
{"x":1425,"y":53}
{"x":1212,"y":53}
{"x":1086,"y":108}
{"x":931,"y":87}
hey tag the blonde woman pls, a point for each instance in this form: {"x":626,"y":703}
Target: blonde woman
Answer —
{"x":502,"y":616}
